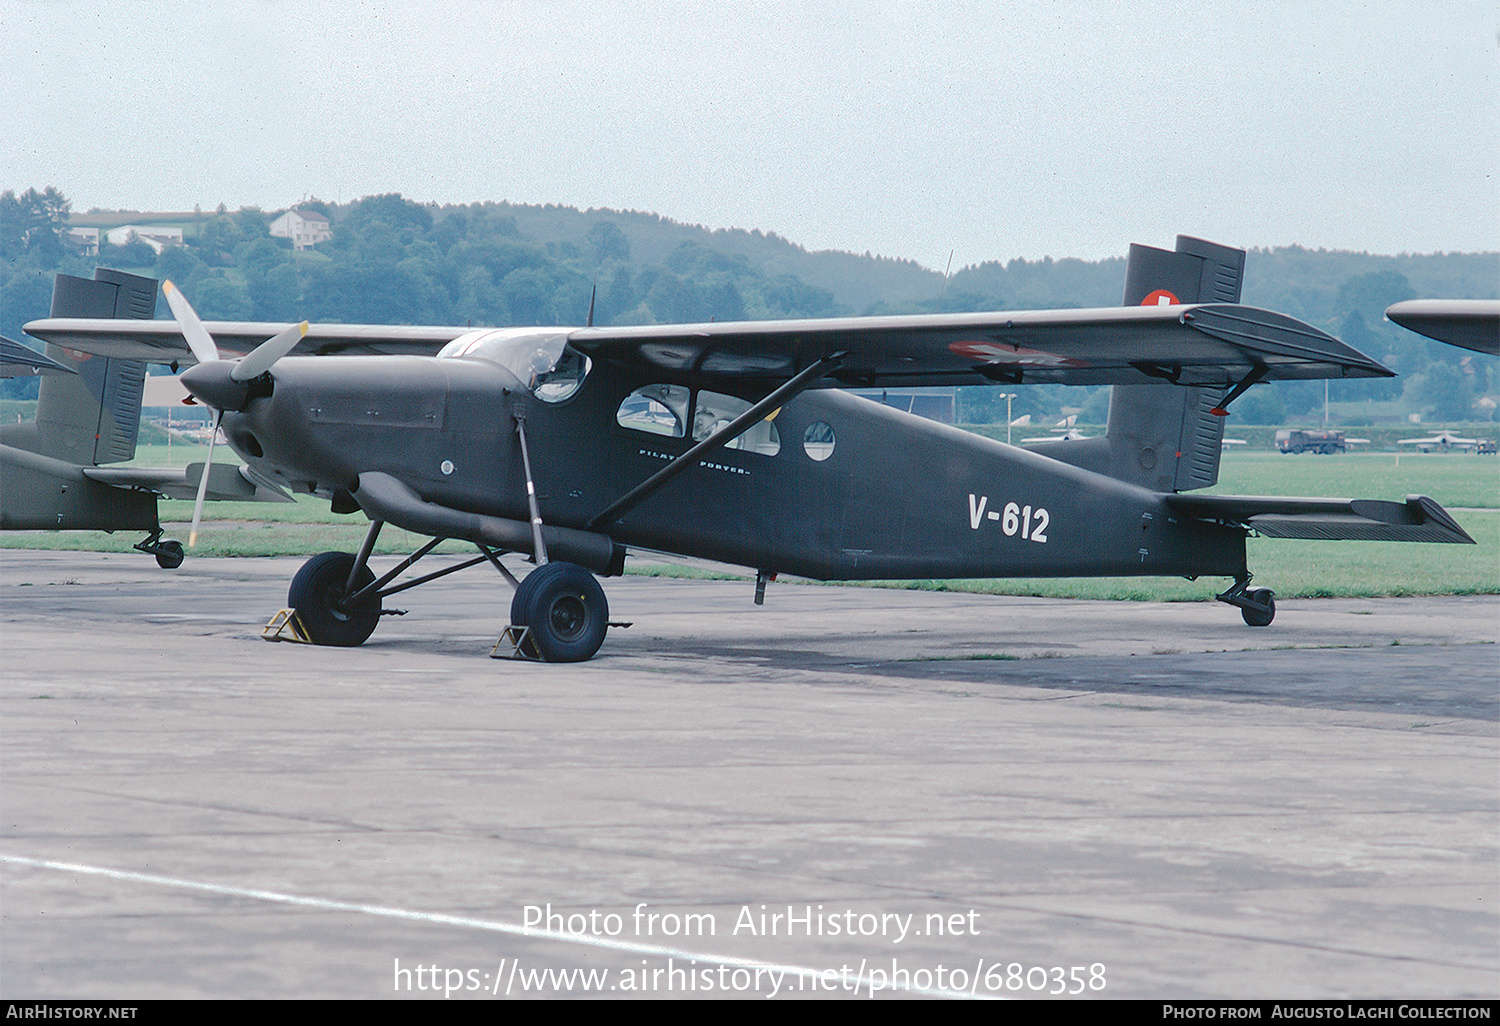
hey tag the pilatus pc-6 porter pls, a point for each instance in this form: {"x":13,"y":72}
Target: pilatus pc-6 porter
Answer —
{"x":737,"y":442}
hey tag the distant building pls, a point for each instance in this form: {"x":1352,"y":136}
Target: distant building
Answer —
{"x":304,"y":227}
{"x":84,"y":240}
{"x":158,"y":237}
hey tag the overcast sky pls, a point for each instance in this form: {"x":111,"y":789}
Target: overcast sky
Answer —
{"x":909,"y":128}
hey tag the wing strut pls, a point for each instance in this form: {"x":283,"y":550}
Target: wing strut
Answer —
{"x":1222,"y":410}
{"x":744,"y":422}
{"x":538,"y":546}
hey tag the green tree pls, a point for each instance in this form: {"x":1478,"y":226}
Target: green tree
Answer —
{"x":605,"y":242}
{"x":1369,"y":294}
{"x":1444,"y":391}
{"x":177,"y":264}
{"x":1260,"y":405}
{"x":220,"y":299}
{"x":34,"y":224}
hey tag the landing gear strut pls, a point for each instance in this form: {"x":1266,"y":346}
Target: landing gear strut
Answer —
{"x":1257,"y":605}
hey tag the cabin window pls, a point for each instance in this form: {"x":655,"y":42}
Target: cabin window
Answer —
{"x":669,"y":409}
{"x":565,"y":376}
{"x":713,"y":413}
{"x":655,"y":409}
{"x":817,"y":440}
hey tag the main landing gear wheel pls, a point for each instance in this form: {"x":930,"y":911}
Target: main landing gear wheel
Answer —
{"x":317,"y":594}
{"x":1264,"y":609}
{"x":566,"y":611}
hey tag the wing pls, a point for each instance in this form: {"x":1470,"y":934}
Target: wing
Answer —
{"x":1469,"y":323}
{"x":1186,"y":345}
{"x":1417,"y":519}
{"x":162,"y":341}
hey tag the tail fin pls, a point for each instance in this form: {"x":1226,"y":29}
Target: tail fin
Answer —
{"x":1161,"y":437}
{"x":93,"y":417}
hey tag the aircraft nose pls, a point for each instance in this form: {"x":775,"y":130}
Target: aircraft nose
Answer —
{"x":211,"y":382}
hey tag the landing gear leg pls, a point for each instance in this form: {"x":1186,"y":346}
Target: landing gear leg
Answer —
{"x":168,"y":553}
{"x":1257,"y":605}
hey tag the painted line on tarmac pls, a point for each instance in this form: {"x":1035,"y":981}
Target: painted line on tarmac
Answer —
{"x":860,"y":984}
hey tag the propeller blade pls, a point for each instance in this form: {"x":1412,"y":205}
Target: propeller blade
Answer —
{"x":268,"y":352}
{"x":198,"y":338}
{"x":208,"y":465}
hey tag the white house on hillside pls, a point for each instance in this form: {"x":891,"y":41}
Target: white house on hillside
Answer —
{"x":304,"y":227}
{"x":158,"y":237}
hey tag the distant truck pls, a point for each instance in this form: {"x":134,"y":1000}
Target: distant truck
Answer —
{"x":1294,"y":440}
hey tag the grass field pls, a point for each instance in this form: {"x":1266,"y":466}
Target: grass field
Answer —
{"x":1466,"y":484}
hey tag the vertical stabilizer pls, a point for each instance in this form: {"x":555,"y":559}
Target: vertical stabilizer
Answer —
{"x":93,"y":417}
{"x":1197,"y":272}
{"x":1159,"y":436}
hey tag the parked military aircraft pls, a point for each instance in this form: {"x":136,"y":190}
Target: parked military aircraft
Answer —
{"x":55,"y":471}
{"x":733,"y":442}
{"x":1441,"y":442}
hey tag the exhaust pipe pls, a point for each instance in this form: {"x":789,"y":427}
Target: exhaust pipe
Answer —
{"x":383,"y":497}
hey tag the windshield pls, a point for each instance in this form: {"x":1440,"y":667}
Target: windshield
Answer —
{"x":542,"y":360}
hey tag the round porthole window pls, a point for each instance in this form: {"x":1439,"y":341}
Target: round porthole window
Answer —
{"x":817,"y":440}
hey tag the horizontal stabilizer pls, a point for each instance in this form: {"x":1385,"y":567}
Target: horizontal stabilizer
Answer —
{"x":18,"y":361}
{"x":1418,"y":519}
{"x":226,"y":483}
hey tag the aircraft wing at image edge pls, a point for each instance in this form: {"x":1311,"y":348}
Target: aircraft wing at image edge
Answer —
{"x":1207,"y":344}
{"x":1468,"y":323}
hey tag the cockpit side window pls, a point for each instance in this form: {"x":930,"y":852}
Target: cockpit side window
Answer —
{"x":562,"y":379}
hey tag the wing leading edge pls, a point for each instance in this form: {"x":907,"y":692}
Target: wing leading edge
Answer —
{"x":162,"y":341}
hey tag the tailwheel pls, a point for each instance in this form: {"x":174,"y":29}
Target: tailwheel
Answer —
{"x":168,"y":554}
{"x":318,"y":594}
{"x":566,"y":611}
{"x":1260,"y":609}
{"x":1256,"y":605}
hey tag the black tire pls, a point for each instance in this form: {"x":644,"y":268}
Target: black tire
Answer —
{"x":169,"y":554}
{"x":317,"y":594}
{"x":1257,"y":617}
{"x":566,"y":611}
